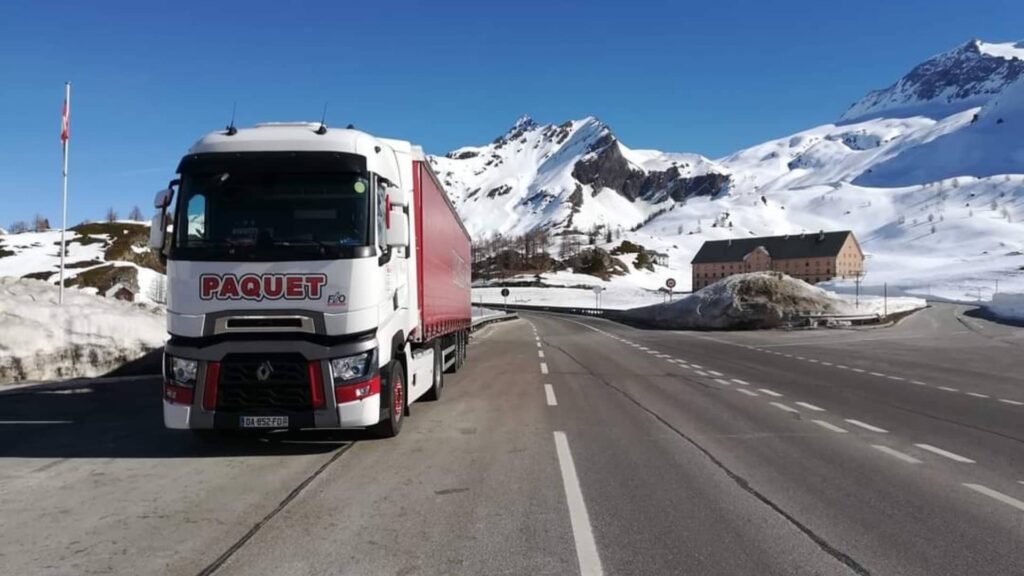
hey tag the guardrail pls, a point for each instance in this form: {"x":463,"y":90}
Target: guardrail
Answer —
{"x":577,"y":310}
{"x":477,"y":323}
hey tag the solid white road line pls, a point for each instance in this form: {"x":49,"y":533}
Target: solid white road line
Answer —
{"x":770,"y":392}
{"x":867,"y":426}
{"x":946,"y":453}
{"x":741,"y":382}
{"x":810,"y":407}
{"x":829,"y":426}
{"x":549,"y":392}
{"x":543,"y":367}
{"x":782,"y":406}
{"x":996,"y":495}
{"x":976,"y":395}
{"x":896,"y":454}
{"x":948,"y":389}
{"x":722,"y":381}
{"x":714,"y":373}
{"x":1012,"y":402}
{"x":747,"y":392}
{"x":5,"y":422}
{"x":540,"y":353}
{"x":586,"y":548}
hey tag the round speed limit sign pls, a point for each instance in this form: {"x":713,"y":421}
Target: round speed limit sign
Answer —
{"x":670,"y":283}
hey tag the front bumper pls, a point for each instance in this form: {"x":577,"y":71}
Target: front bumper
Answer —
{"x":360,"y":413}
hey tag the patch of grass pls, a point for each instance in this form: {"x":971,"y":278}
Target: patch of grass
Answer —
{"x":84,"y":264}
{"x":44,"y":276}
{"x":122,"y":237}
{"x":103,"y":278}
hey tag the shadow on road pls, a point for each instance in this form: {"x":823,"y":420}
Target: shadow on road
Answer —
{"x":123,"y":419}
{"x":983,"y":313}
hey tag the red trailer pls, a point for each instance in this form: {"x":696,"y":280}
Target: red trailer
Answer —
{"x":442,"y":258}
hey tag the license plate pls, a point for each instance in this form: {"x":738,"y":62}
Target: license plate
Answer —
{"x":264,"y":422}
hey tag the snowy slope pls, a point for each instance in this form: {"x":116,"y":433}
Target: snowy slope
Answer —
{"x":962,"y":78}
{"x":98,"y":256}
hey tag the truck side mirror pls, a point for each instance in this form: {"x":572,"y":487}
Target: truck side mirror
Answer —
{"x":156,"y":232}
{"x":398,"y":196}
{"x":163,"y":199}
{"x":398,"y":231}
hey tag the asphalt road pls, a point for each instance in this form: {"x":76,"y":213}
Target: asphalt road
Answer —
{"x":566,"y":445}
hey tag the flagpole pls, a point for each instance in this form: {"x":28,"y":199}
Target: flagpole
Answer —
{"x":64,"y":220}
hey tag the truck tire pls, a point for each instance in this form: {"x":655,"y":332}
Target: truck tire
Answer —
{"x":395,"y":382}
{"x":437,"y":387}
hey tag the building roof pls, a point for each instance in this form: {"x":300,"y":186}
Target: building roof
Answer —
{"x":807,"y":245}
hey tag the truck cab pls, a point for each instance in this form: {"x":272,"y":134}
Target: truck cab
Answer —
{"x":294,"y":282}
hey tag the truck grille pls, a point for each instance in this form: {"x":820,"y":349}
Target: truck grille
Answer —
{"x":254,"y":381}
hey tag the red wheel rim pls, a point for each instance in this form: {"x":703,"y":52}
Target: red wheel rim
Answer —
{"x":396,"y":394}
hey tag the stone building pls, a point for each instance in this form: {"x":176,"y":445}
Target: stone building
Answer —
{"x":810,"y":257}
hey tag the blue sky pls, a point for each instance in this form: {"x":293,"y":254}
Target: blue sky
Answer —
{"x":150,"y":77}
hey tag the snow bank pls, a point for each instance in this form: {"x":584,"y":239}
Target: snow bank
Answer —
{"x":758,"y":300}
{"x":1007,"y":306}
{"x":88,"y":336}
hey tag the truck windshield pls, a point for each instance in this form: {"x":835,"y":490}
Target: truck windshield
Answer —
{"x":261,"y":215}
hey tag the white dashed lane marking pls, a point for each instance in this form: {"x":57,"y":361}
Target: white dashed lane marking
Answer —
{"x":770,"y":392}
{"x":549,"y":392}
{"x":976,"y":395}
{"x":1010,"y":500}
{"x":714,"y":373}
{"x":810,"y":407}
{"x":699,"y":373}
{"x":540,"y":353}
{"x":948,"y":389}
{"x":861,"y":370}
{"x":722,"y":381}
{"x":697,"y":366}
{"x":783,"y":407}
{"x":877,"y":374}
{"x":543,"y":367}
{"x":829,"y":426}
{"x":1011,"y":402}
{"x":896,"y":454}
{"x":741,"y":382}
{"x":867,"y":426}
{"x":946,"y":453}
{"x":583,"y":535}
{"x":747,"y":392}
{"x":918,"y":382}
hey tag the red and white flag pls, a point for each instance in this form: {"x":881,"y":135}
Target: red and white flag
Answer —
{"x":65,"y":123}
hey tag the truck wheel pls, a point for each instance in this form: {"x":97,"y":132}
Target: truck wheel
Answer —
{"x":390,"y":427}
{"x":437,"y":387}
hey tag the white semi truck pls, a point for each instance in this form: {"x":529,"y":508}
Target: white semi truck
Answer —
{"x":317,"y":278}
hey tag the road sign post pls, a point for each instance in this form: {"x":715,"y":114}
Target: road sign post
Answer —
{"x":670,"y":284}
{"x":504,"y":295}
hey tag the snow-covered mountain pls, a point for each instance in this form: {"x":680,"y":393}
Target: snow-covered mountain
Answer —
{"x":928,"y":173}
{"x":572,"y":175}
{"x":953,"y":81}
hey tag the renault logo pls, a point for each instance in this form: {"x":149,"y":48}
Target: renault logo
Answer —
{"x":264,"y":371}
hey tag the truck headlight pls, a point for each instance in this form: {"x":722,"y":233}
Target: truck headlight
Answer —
{"x":351,"y":368}
{"x":183,"y":371}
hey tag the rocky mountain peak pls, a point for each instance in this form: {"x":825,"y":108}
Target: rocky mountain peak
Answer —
{"x":962,"y":78}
